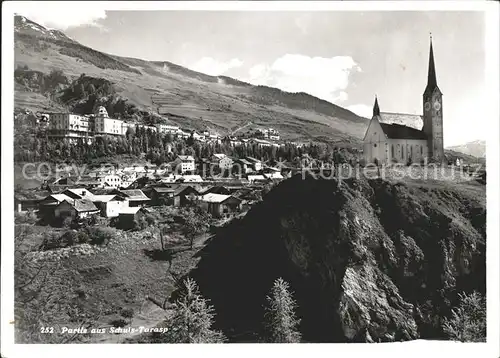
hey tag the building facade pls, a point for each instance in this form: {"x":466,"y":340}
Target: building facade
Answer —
{"x":104,"y":125}
{"x":69,"y":126}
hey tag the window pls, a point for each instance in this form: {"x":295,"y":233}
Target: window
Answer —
{"x":392,"y":150}
{"x":402,"y":152}
{"x":421,"y":150}
{"x":375,"y":145}
{"x":411,"y":151}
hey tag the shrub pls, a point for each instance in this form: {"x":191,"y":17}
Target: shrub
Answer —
{"x":468,"y":320}
{"x":118,"y":323}
{"x":127,"y":313}
{"x":29,"y":217}
{"x":100,"y":235}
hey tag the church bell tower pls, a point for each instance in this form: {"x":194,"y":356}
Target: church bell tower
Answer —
{"x":433,"y":113}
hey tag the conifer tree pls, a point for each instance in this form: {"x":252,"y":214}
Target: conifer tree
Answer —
{"x":280,"y":321}
{"x":193,"y":318}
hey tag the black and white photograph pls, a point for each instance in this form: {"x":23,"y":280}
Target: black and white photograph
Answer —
{"x":250,"y":172}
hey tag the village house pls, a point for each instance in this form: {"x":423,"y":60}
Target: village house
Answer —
{"x":163,"y":196}
{"x":58,"y":184}
{"x":219,"y":205}
{"x":110,"y":205}
{"x":184,"y":164}
{"x":256,"y":164}
{"x":69,"y":126}
{"x":222,"y":161}
{"x":257,"y":178}
{"x":218,"y":189}
{"x":47,"y":205}
{"x":88,"y":182}
{"x":76,"y":209}
{"x":173,"y":195}
{"x":128,"y":216}
{"x":187,"y":194}
{"x":28,"y":200}
{"x":78,"y":193}
{"x":243,"y":166}
{"x":167,"y":129}
{"x":135,"y":197}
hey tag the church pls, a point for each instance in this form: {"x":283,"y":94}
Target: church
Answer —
{"x":408,"y":138}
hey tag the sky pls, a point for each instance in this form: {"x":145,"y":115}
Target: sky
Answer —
{"x":343,"y":57}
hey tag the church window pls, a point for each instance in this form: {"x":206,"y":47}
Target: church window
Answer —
{"x":392,"y":150}
{"x":421,"y":150}
{"x":402,"y":152}
{"x":375,"y":145}
{"x":411,"y":151}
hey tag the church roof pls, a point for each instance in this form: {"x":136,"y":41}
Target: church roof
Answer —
{"x":405,"y":119}
{"x":431,"y":75}
{"x":397,"y":131}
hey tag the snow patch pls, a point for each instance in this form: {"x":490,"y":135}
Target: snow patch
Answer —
{"x":37,"y":28}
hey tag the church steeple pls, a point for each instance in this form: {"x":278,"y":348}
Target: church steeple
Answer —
{"x":431,"y":75}
{"x":376,"y":109}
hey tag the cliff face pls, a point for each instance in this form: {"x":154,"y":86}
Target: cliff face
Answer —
{"x":368,"y":261}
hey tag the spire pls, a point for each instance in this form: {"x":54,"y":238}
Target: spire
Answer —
{"x":376,"y":109}
{"x":431,"y":76}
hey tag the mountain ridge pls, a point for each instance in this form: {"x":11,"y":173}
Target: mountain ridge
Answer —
{"x":218,"y":101}
{"x":476,"y":148}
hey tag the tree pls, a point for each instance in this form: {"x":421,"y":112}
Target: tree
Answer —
{"x":195,"y":223}
{"x":193,"y":318}
{"x":279,"y":320}
{"x":468,"y":321}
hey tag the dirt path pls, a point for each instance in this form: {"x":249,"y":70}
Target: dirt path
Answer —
{"x":148,"y":317}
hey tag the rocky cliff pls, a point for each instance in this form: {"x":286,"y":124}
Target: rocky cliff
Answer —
{"x":368,"y":260}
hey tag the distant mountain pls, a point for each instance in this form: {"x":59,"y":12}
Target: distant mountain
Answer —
{"x":476,"y":148}
{"x":23,"y":25}
{"x":186,"y":96}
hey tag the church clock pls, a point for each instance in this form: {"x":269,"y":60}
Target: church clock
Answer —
{"x":427,"y":106}
{"x":437,"y":105}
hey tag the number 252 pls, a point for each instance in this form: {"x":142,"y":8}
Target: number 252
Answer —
{"x":47,"y":330}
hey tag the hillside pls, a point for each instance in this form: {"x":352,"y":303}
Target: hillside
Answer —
{"x":368,"y":260}
{"x":187,"y":97}
{"x":476,"y":148}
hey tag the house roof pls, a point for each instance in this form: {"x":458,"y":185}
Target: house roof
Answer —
{"x":60,"y":197}
{"x":31,"y":195}
{"x":103,"y":198}
{"x":215,"y":198}
{"x":186,"y":157}
{"x":251,"y":159}
{"x":256,"y":177}
{"x":397,"y":131}
{"x":129,"y":210}
{"x":409,"y":120}
{"x":244,"y":161}
{"x":220,"y":156}
{"x":163,"y":190}
{"x":84,"y":205}
{"x":80,"y":192}
{"x":275,"y":175}
{"x":87,"y":181}
{"x":134,"y":194}
{"x":180,"y":189}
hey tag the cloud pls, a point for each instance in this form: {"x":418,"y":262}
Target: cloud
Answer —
{"x":361,"y":110}
{"x":325,"y":78}
{"x":213,"y":67}
{"x":64,"y":15}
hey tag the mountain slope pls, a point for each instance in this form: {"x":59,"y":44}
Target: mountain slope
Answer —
{"x":476,"y":148}
{"x":204,"y":101}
